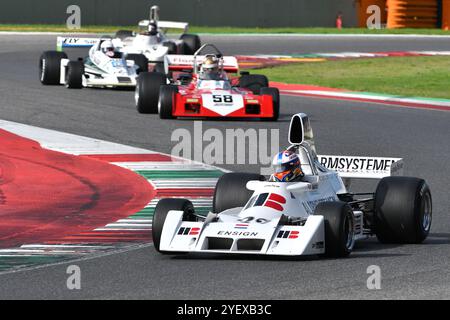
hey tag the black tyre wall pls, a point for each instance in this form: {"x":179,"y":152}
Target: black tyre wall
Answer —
{"x":161,"y":210}
{"x":74,"y":75}
{"x":147,"y":91}
{"x":335,"y":215}
{"x":231,"y":191}
{"x":50,"y":67}
{"x":399,"y":206}
{"x":166,"y":101}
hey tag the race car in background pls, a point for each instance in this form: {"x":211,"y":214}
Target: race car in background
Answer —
{"x":183,"y":91}
{"x":98,"y":69}
{"x":153,"y":42}
{"x":314,"y":216}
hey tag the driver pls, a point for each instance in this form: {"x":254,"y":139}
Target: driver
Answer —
{"x":210,"y":69}
{"x":107,"y":47}
{"x":287,"y":167}
{"x":153,"y":28}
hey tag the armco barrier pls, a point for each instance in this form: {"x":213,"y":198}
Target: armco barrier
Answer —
{"x":235,"y":13}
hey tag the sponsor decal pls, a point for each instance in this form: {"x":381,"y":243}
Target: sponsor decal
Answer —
{"x":237,"y":233}
{"x":356,"y":164}
{"x":269,"y":200}
{"x":188,"y":231}
{"x":275,"y":201}
{"x":288,"y":234}
{"x":241,"y":226}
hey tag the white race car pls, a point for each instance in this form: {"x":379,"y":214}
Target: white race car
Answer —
{"x":97,"y":70}
{"x":316,"y":216}
{"x":153,"y":42}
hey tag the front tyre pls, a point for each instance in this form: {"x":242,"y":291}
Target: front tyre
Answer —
{"x":231,"y":191}
{"x":166,"y":103}
{"x":162,"y":209}
{"x":74,"y":75}
{"x":339,"y":228}
{"x":50,"y":67}
{"x":147,"y":91}
{"x":403,"y":210}
{"x":275,"y":93}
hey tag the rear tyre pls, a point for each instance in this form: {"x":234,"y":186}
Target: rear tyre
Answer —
{"x":166,"y":101}
{"x":403,"y":210}
{"x":123,"y":34}
{"x":339,"y":228}
{"x":50,"y":67}
{"x":147,"y":91}
{"x":275,"y":93}
{"x":191,"y":43}
{"x":74,"y":75}
{"x":254,"y":82}
{"x":231,"y":191}
{"x":162,"y":209}
{"x":139,"y":60}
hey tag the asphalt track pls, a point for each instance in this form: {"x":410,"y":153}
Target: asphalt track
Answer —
{"x":347,"y":128}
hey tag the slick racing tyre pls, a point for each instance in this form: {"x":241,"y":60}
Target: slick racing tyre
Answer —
{"x":191,"y":43}
{"x":162,"y":209}
{"x":173,"y":49}
{"x":140,"y":61}
{"x":167,"y":95}
{"x":403,"y":210}
{"x":50,"y":67}
{"x":123,"y":34}
{"x":74,"y":75}
{"x":147,"y":91}
{"x":253,"y":82}
{"x":339,"y":228}
{"x":276,"y":102}
{"x":231,"y":191}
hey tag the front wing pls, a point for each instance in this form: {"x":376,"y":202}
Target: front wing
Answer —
{"x":235,"y":238}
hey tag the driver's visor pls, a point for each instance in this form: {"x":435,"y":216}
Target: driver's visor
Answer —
{"x":279,"y":168}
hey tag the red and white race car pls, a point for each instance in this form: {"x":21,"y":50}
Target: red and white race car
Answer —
{"x":184,"y":91}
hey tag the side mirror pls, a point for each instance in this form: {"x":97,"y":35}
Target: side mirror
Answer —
{"x":296,"y":130}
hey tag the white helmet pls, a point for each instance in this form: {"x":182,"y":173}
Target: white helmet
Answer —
{"x":210,"y":68}
{"x":107,"y":48}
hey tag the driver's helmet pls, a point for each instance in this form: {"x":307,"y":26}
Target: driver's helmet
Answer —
{"x":210,"y":68}
{"x":287,"y":167}
{"x":153,"y":28}
{"x":107,"y":47}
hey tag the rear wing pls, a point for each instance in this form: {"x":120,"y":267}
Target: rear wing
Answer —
{"x":186,"y":63}
{"x":74,"y":42}
{"x":166,"y":25}
{"x":348,"y":167}
{"x":362,"y":167}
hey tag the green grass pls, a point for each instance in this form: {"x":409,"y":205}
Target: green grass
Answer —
{"x":218,"y":30}
{"x":405,"y":76}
